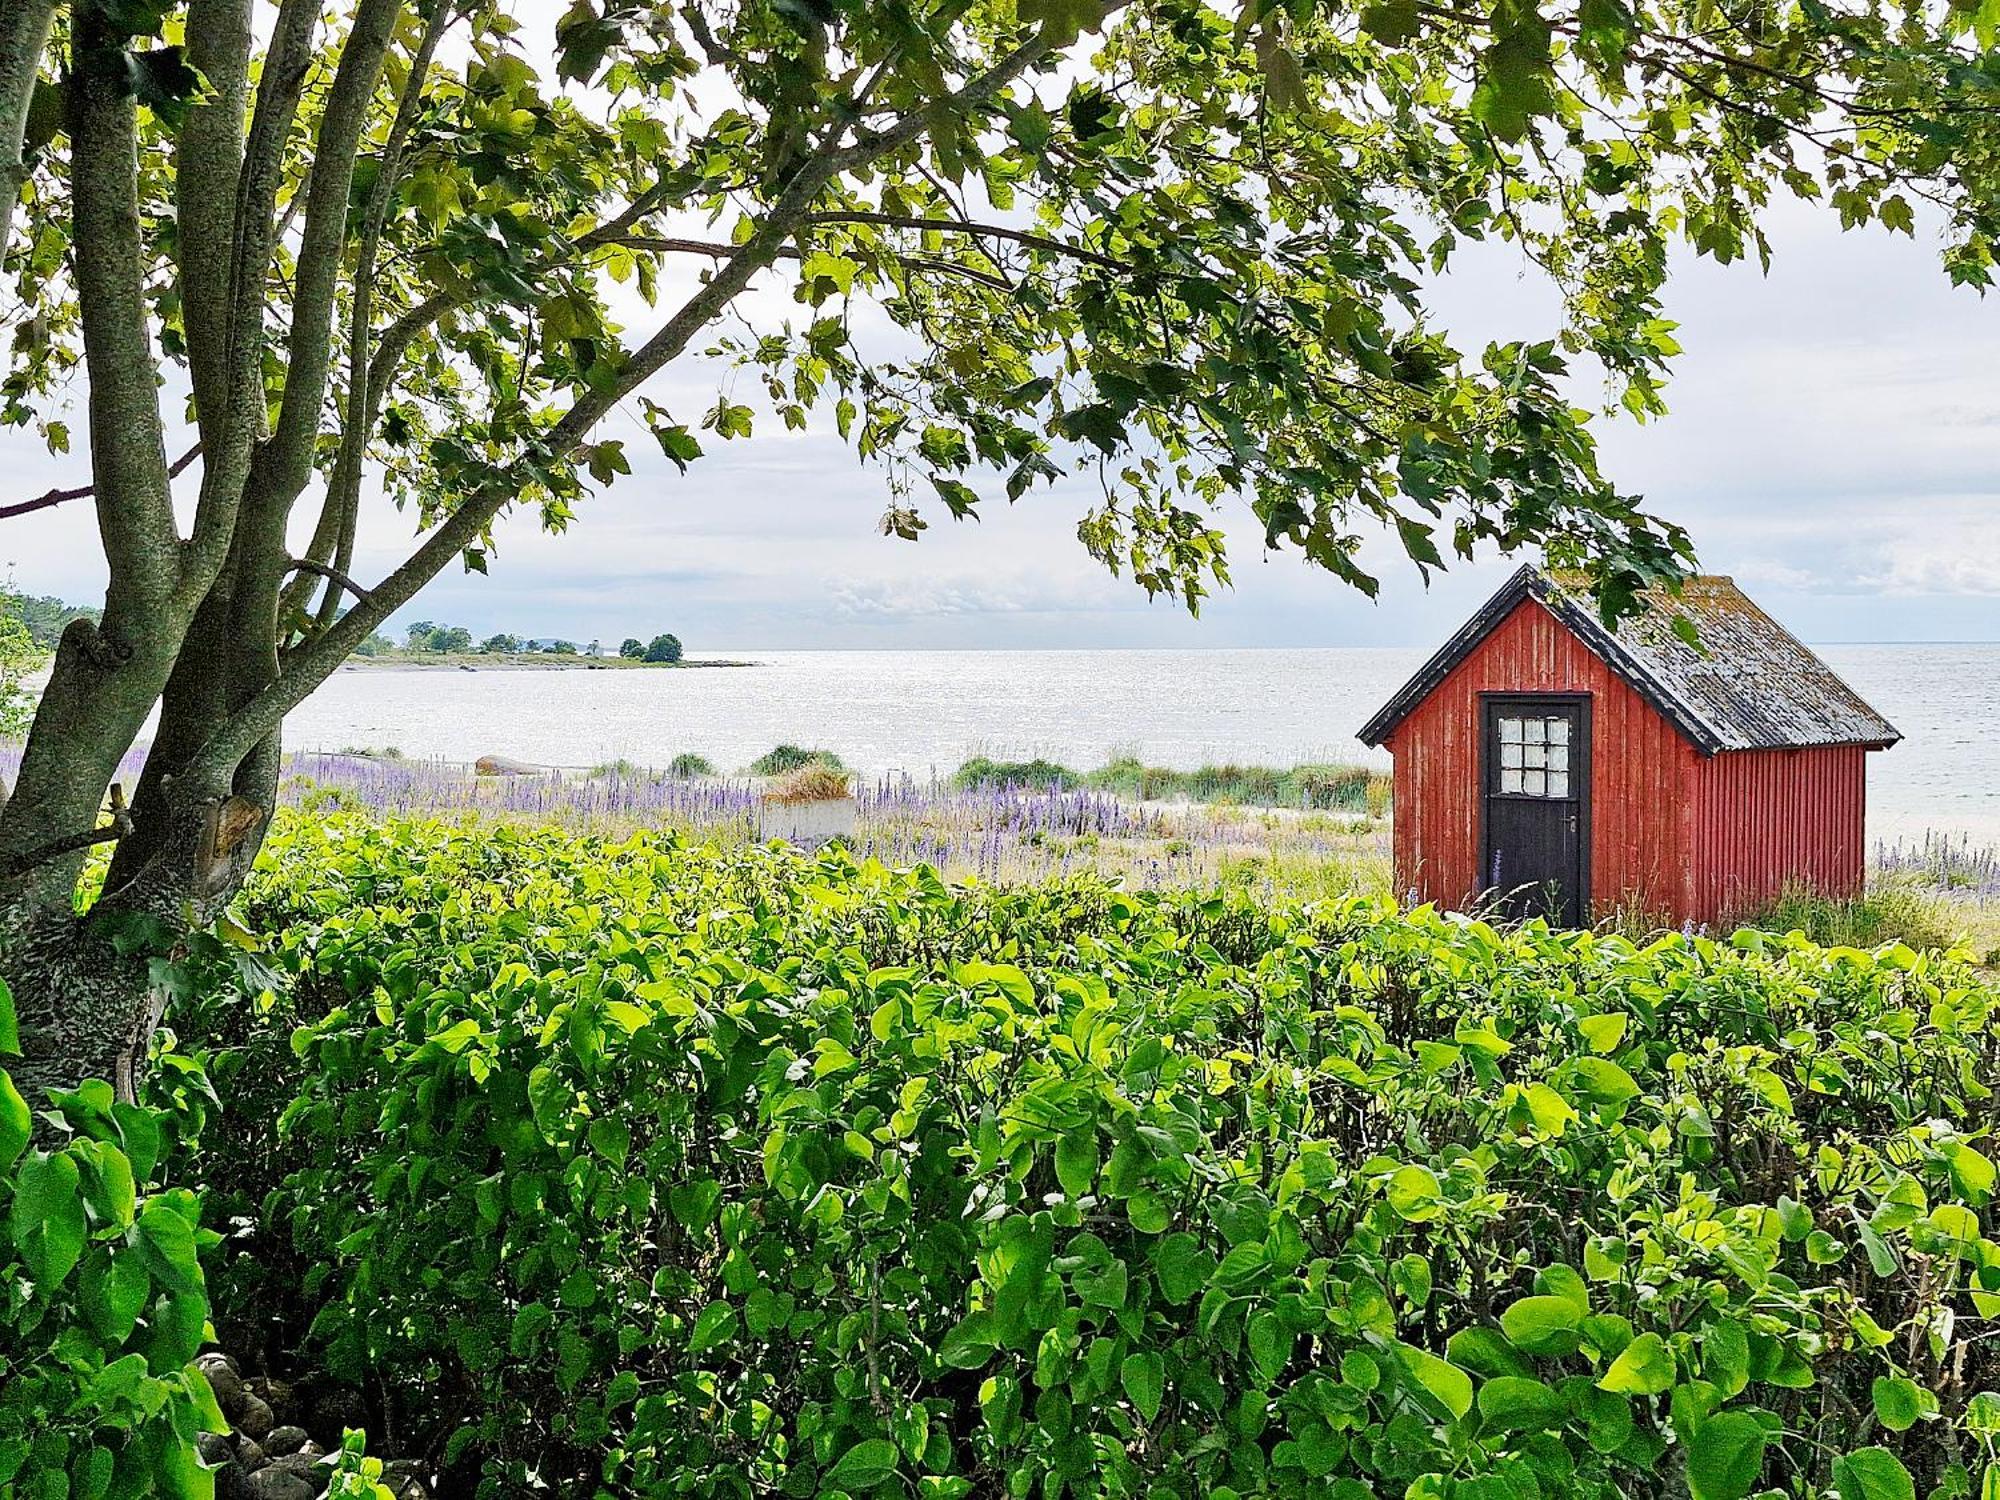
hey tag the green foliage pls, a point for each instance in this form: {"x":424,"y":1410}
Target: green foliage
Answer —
{"x":45,"y":616}
{"x":102,"y":1301}
{"x":632,"y":648}
{"x":782,"y":758}
{"x":1310,"y":785}
{"x":719,"y":1172}
{"x":983,"y":771}
{"x":664,"y":648}
{"x":21,"y":655}
{"x":688,"y":765}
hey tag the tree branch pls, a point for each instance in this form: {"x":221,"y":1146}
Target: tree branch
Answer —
{"x":207,"y":173}
{"x":128,"y":460}
{"x":82,"y":491}
{"x":24,"y":36}
{"x":983,"y":231}
{"x":119,"y":827}
{"x":333,"y":575}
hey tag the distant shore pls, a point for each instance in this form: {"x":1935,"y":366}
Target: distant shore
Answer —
{"x":523,"y":661}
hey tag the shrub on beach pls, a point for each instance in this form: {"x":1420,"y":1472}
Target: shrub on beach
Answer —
{"x":688,"y":765}
{"x":981,"y":771}
{"x":782,"y":758}
{"x":657,"y":1169}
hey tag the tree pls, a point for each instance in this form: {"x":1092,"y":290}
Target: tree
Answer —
{"x":449,"y":639}
{"x":632,"y":648}
{"x":418,"y":636}
{"x":1175,"y":246}
{"x":664,"y":648}
{"x":374,"y":644}
{"x":560,"y":648}
{"x":595,"y":648}
{"x":500,"y":645}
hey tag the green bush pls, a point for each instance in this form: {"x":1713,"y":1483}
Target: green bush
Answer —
{"x":687,"y":765}
{"x":981,"y":771}
{"x":1324,"y":788}
{"x":680,"y":1171}
{"x":782,"y":758}
{"x":102,"y":1302}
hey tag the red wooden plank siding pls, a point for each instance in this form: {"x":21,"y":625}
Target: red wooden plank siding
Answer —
{"x":1643,"y":771}
{"x":1766,"y":817}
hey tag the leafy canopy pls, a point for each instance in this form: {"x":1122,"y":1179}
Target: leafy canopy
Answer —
{"x":1178,"y":248}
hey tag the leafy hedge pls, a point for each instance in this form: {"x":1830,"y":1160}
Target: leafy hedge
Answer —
{"x":102,"y":1304}
{"x":742,"y":1173}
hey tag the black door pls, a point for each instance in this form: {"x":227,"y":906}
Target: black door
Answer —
{"x":1535,"y":854}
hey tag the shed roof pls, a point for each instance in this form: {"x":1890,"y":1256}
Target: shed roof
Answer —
{"x":1750,"y":685}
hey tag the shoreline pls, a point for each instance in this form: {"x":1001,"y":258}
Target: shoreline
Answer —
{"x":528,"y":662}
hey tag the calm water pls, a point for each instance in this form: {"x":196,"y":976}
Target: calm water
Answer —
{"x":924,"y":710}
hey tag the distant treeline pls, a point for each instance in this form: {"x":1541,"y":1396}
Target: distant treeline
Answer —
{"x":425,"y":637}
{"x":45,"y":615}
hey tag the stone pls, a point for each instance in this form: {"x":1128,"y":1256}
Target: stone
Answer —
{"x":404,"y":1478}
{"x":274,"y":1483}
{"x":253,"y":1417}
{"x":250,"y":1455}
{"x":335,"y":1408}
{"x":220,"y":1372}
{"x":501,"y":765}
{"x":304,"y":1466}
{"x":284,"y":1440}
{"x":215,"y":1449}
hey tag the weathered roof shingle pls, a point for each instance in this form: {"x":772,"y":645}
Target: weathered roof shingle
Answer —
{"x":1751,"y":684}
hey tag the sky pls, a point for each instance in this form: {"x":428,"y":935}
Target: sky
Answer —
{"x":1833,"y":443}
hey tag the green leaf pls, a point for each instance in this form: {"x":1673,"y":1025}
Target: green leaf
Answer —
{"x":46,"y":1219}
{"x":716,"y":1324}
{"x":1542,"y":1325}
{"x":1183,"y":1267}
{"x":1725,"y":1456}
{"x":1144,"y":1378}
{"x":863,"y":1467}
{"x":1603,"y":1032}
{"x":1444,"y":1383}
{"x":1873,"y":1474}
{"x":1898,"y":1402}
{"x":1645,"y":1368}
{"x":1509,"y":1403}
{"x":167,"y":1241}
{"x":16,"y":1122}
{"x":1076,"y":1160}
{"x":10,"y":1030}
{"x":1270,"y":1344}
{"x":1414,"y":1192}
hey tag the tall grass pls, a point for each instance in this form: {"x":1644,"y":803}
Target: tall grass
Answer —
{"x":1318,"y":787}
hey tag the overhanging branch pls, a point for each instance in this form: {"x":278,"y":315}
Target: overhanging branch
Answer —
{"x":84,"y":491}
{"x":119,"y":827}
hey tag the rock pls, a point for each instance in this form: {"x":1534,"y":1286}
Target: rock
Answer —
{"x":335,"y":1408}
{"x":274,"y":1483}
{"x":253,"y":1417}
{"x":404,"y":1478}
{"x":501,"y":765}
{"x":215,"y":1449}
{"x":220,"y":1372}
{"x":250,"y":1455}
{"x":306,"y":1467}
{"x":281,"y":1396}
{"x":284,"y":1440}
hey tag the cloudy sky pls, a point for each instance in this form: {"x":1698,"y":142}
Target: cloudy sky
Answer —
{"x":1834,"y":443}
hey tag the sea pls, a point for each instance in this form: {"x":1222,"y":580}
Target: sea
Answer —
{"x":924,"y":712}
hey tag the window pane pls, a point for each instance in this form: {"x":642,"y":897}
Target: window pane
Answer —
{"x":1559,"y":731}
{"x":1537,"y":731}
{"x":1510,"y":731}
{"x":1535,"y":755}
{"x":1558,"y":757}
{"x":1534,"y":783}
{"x":1510,"y":781}
{"x":1510,"y":755}
{"x":1558,"y":783}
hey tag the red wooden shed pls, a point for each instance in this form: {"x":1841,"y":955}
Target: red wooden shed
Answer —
{"x":1550,"y":764}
